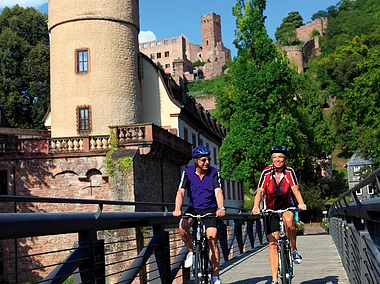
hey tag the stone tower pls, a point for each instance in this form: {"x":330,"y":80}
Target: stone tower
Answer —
{"x":94,"y":61}
{"x":295,"y":56}
{"x":211,"y":35}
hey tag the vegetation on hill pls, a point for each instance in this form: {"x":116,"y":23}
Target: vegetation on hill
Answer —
{"x":262,"y":102}
{"x":349,"y":71}
{"x":24,"y":66}
{"x":286,"y":33}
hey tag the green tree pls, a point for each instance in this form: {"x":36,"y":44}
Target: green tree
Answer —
{"x":286,"y":33}
{"x":24,"y":66}
{"x":259,"y":105}
{"x":330,"y":12}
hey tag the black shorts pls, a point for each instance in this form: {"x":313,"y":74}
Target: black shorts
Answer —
{"x":271,"y":223}
{"x":209,"y":221}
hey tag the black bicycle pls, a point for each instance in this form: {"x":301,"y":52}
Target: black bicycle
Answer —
{"x":285,"y":259}
{"x":202,"y":267}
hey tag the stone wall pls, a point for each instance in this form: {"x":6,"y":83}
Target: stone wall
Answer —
{"x":69,"y":176}
{"x":304,"y":32}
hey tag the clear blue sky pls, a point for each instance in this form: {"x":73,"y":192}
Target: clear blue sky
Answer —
{"x":166,"y":18}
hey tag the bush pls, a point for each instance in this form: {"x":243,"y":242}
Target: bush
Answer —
{"x":300,"y":228}
{"x":325,"y":224}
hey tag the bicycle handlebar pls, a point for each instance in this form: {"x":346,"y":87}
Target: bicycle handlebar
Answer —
{"x":198,"y":216}
{"x":279,"y":211}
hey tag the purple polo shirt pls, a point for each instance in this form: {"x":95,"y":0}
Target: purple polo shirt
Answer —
{"x":201,"y":192}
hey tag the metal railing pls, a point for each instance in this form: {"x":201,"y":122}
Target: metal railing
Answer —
{"x":108,"y":247}
{"x":355,"y":228}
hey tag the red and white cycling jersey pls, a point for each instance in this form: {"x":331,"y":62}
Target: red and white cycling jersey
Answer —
{"x":278,"y":196}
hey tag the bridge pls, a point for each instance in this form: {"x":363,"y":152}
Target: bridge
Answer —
{"x":125,"y":246}
{"x":321,"y":262}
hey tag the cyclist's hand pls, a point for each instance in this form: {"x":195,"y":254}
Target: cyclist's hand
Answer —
{"x":177,"y":213}
{"x":255,"y":210}
{"x":302,"y":206}
{"x":220,"y":213}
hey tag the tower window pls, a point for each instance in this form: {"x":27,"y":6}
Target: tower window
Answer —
{"x":3,"y":183}
{"x":158,"y":54}
{"x":84,"y":118}
{"x":166,"y":53}
{"x":82,"y":61}
{"x":152,"y":56}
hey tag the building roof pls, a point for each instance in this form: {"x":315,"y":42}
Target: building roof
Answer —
{"x":356,"y":160}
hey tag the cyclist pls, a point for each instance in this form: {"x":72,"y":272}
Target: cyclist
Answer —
{"x":206,"y":195}
{"x":278,"y":184}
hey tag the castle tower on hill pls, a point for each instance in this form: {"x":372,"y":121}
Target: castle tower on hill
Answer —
{"x":94,"y":58}
{"x":298,"y":54}
{"x":177,"y":54}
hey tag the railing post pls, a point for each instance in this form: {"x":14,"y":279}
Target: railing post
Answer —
{"x":92,"y":269}
{"x":222,"y":236}
{"x":239,"y":235}
{"x":140,"y":246}
{"x":249,"y":230}
{"x":161,"y":265}
{"x":259,"y":231}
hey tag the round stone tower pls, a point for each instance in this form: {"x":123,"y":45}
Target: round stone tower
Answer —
{"x":295,"y":56}
{"x":94,"y":61}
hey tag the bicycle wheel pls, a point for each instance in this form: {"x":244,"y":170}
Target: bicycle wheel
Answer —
{"x":205,"y":266}
{"x":198,"y":265}
{"x":284,"y":264}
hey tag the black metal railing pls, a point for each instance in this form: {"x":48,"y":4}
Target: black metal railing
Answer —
{"x":355,"y":228}
{"x":106,"y":246}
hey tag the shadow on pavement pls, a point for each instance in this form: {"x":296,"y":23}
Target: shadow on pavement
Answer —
{"x":325,"y":280}
{"x":253,"y":280}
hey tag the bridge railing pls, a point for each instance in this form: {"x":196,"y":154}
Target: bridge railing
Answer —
{"x":355,"y":228}
{"x":110,"y":247}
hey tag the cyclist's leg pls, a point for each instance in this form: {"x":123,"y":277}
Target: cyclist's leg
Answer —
{"x":290,"y":229}
{"x":184,"y":231}
{"x":272,"y":229}
{"x":214,"y":249}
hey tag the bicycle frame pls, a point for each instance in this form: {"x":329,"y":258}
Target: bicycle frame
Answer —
{"x":202,"y":269}
{"x":285,"y":260}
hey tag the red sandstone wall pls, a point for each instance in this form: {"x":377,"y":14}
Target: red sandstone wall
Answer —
{"x":303,"y":33}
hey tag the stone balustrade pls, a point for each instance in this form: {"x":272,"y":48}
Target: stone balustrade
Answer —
{"x":91,"y":143}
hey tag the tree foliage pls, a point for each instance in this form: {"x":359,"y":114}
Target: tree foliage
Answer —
{"x":286,"y":33}
{"x":348,"y":71}
{"x":259,"y":106}
{"x":24,"y":66}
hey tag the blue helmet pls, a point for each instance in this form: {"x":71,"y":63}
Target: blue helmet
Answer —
{"x":200,"y":151}
{"x":279,"y":149}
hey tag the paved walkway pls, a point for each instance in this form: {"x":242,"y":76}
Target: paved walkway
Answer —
{"x":321,"y":263}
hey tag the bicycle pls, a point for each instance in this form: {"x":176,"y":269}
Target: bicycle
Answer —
{"x":202,"y":267}
{"x":285,"y":259}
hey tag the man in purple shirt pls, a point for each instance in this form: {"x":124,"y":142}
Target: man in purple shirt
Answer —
{"x":206,"y":195}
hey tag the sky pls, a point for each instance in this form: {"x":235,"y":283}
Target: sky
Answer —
{"x":170,"y":18}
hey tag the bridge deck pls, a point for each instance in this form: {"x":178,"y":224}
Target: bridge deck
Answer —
{"x":321,"y":263}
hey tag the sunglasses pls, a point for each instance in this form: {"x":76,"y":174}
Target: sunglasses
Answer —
{"x":203,"y":160}
{"x":278,"y":148}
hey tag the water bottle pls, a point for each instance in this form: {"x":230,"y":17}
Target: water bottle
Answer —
{"x":296,"y":217}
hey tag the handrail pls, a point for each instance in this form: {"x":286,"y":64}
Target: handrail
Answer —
{"x":18,"y":226}
{"x":354,"y":227}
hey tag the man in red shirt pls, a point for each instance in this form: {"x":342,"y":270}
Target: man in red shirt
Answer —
{"x":278,"y":185}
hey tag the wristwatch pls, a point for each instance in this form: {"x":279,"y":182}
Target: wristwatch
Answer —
{"x":222,"y":208}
